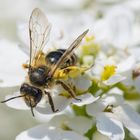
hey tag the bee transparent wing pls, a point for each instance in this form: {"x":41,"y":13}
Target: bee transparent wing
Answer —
{"x":68,"y":52}
{"x":39,"y":30}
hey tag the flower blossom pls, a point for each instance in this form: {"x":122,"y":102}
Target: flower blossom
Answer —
{"x":60,"y":127}
{"x":112,"y":114}
{"x":113,"y":53}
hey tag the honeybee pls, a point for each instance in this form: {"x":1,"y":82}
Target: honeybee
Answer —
{"x":44,"y":68}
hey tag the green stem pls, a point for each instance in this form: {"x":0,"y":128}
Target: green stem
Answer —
{"x":90,"y":132}
{"x":130,"y":92}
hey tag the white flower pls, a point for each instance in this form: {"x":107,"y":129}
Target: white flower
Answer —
{"x":134,"y":5}
{"x":116,"y":27}
{"x":107,"y":71}
{"x":99,"y":136}
{"x":79,"y":124}
{"x":64,"y":4}
{"x":112,"y":114}
{"x":114,"y":63}
{"x":131,"y":72}
{"x":107,"y":1}
{"x":43,"y":132}
{"x":11,"y":14}
{"x":11,"y":71}
{"x":59,"y":128}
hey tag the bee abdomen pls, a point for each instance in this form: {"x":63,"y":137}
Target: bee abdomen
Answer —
{"x":54,"y":56}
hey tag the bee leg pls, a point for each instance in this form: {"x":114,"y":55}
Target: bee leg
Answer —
{"x":31,"y":107}
{"x":51,"y":101}
{"x":68,"y":89}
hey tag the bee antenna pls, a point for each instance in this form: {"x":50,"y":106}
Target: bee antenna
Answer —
{"x":12,"y":98}
{"x":32,"y":111}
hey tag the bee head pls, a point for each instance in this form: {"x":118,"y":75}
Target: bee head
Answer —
{"x":32,"y":94}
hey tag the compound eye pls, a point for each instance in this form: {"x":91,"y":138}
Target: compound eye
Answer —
{"x":24,"y":87}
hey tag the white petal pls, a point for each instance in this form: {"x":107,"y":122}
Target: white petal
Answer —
{"x":110,"y":127}
{"x":116,"y":91}
{"x":135,"y":51}
{"x":88,"y":60}
{"x":58,"y":120}
{"x":120,"y":23}
{"x":64,"y":4}
{"x":129,"y":118}
{"x":54,"y":119}
{"x":79,"y":124}
{"x":113,"y":99}
{"x":85,"y":99}
{"x":17,"y":103}
{"x":126,"y":64}
{"x":71,"y":135}
{"x":99,"y":136}
{"x":98,"y":68}
{"x":82,"y":83}
{"x":114,"y":79}
{"x":95,"y":108}
{"x":11,"y":71}
{"x":44,"y":117}
{"x":43,"y":132}
{"x":24,"y":38}
{"x":134,"y":5}
{"x":60,"y":103}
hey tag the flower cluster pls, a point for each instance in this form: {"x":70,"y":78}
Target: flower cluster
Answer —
{"x":105,"y":90}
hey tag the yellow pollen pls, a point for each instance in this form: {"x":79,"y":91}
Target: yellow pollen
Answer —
{"x":109,"y":70}
{"x":89,"y":38}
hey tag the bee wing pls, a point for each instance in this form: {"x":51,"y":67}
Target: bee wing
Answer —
{"x":68,"y":52}
{"x":39,"y":30}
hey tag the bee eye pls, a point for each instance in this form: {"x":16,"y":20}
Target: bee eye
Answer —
{"x":24,"y":87}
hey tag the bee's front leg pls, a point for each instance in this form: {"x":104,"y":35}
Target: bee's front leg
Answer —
{"x":51,"y":101}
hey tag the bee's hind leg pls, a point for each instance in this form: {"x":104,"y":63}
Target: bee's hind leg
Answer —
{"x":68,"y":89}
{"x":51,"y":102}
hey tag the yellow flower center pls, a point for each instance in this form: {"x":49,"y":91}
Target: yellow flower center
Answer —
{"x":90,"y":47}
{"x":89,"y":38}
{"x":109,"y":70}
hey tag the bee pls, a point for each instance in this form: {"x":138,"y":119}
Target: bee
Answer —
{"x":42,"y":67}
